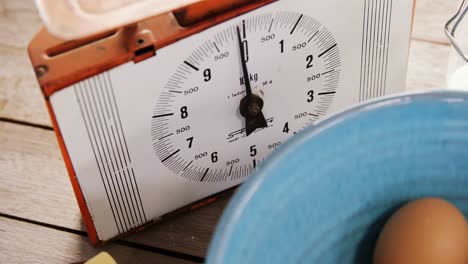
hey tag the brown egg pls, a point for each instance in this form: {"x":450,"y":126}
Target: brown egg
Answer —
{"x":425,"y":231}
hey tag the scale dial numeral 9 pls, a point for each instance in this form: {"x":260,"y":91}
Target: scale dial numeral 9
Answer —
{"x":207,"y":75}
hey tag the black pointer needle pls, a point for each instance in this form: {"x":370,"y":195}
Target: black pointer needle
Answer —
{"x":248,"y":89}
{"x":251,"y":105}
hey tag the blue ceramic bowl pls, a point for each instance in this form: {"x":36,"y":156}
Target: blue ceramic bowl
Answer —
{"x":324,"y":197}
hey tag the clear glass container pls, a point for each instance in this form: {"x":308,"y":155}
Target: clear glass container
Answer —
{"x":457,"y":32}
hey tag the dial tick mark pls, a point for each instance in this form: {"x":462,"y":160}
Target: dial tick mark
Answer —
{"x":187,"y":165}
{"x":214,"y":44}
{"x":295,"y":25}
{"x":191,"y":65}
{"x":166,"y":136}
{"x":321,"y":54}
{"x":271,"y":24}
{"x":324,"y":93}
{"x":163,"y":115}
{"x":204,"y":174}
{"x":243,"y":29}
{"x":315,"y":34}
{"x":168,"y":157}
{"x":328,"y":71}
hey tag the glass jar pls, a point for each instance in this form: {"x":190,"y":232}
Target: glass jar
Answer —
{"x":456,"y":30}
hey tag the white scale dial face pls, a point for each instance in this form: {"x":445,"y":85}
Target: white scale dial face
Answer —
{"x":293,"y":65}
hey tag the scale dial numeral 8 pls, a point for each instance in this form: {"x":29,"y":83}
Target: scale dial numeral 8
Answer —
{"x":294,"y":67}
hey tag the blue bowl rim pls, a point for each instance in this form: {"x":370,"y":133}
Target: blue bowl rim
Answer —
{"x":224,"y":230}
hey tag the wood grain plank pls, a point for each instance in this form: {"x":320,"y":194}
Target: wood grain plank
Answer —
{"x":430,"y":18}
{"x":189,"y":233}
{"x":19,"y":21}
{"x":427,"y":66}
{"x":34,"y":185}
{"x":22,"y":242}
{"x":20,"y":96}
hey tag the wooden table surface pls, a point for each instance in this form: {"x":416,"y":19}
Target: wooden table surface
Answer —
{"x":39,"y":218}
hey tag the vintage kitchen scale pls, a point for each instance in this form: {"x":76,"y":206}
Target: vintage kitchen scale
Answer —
{"x":186,"y":101}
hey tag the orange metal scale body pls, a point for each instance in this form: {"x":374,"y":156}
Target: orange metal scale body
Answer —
{"x":59,"y":64}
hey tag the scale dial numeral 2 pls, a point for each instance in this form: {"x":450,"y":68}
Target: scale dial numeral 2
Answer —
{"x":309,"y":60}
